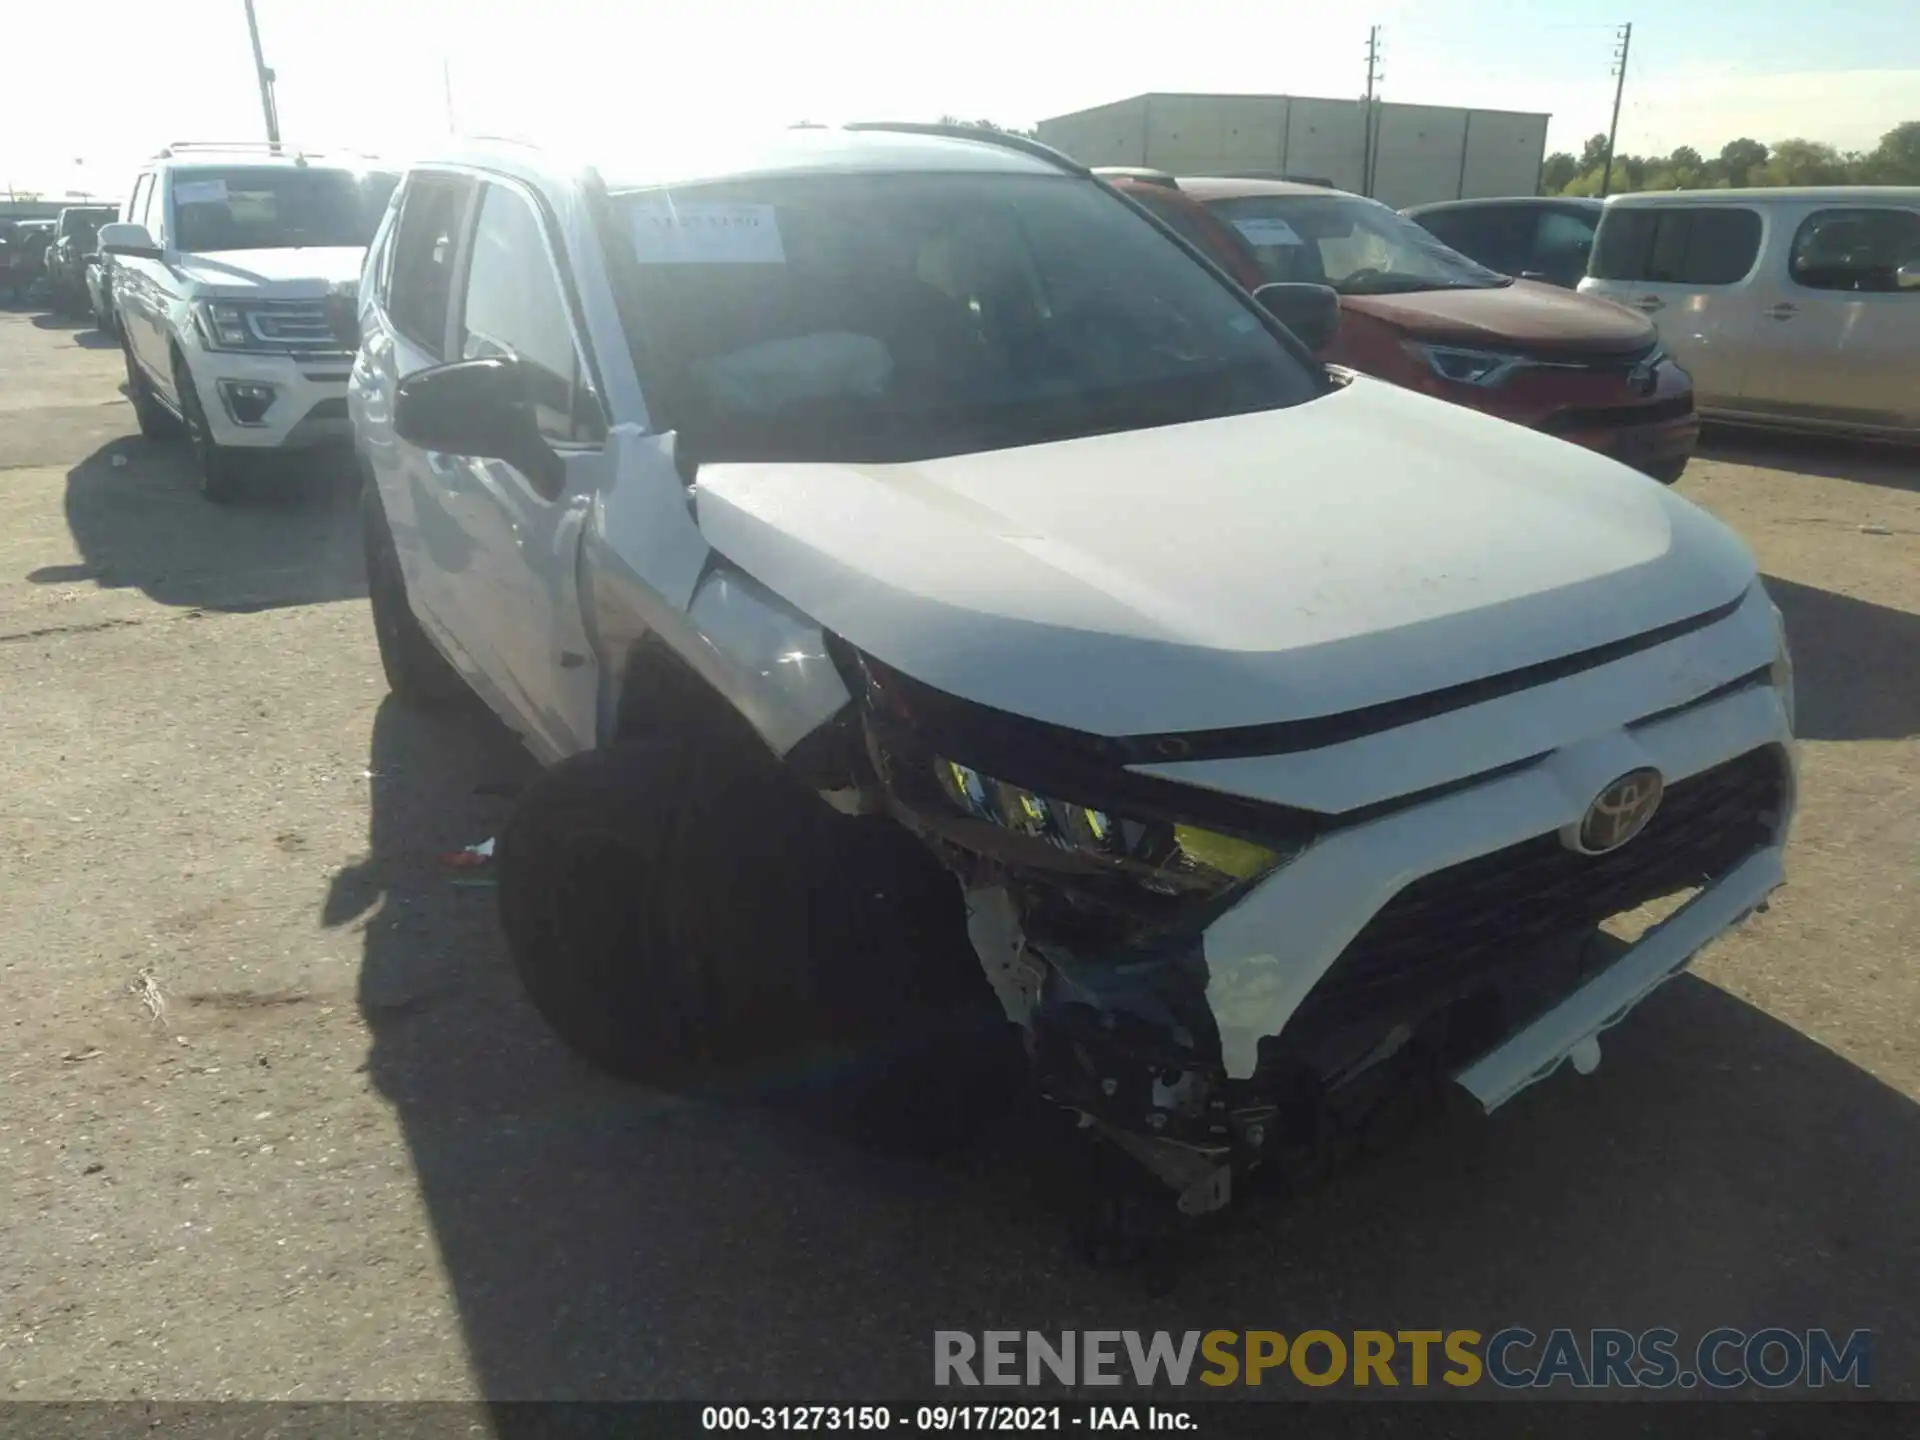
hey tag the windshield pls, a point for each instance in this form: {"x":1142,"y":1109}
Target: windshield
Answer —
{"x":876,"y":317}
{"x":1357,"y":246}
{"x":273,"y":208}
{"x":85,"y":224}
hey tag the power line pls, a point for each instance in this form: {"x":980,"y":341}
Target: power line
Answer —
{"x":1620,"y":85}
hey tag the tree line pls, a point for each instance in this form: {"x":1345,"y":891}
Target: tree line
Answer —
{"x":1894,"y":161}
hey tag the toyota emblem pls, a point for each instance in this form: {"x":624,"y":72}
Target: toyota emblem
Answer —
{"x":1621,"y":811}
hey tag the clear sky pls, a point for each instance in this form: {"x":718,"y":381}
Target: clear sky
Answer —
{"x":108,"y":81}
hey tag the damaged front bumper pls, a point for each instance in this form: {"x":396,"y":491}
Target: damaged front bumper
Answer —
{"x":1451,"y":934}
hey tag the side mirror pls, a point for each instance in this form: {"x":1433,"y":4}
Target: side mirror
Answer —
{"x":119,"y":239}
{"x":343,"y":318}
{"x":1311,"y":312}
{"x":1907,"y":277}
{"x":479,"y":408}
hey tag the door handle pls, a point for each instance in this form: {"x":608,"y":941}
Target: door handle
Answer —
{"x":1649,"y":303}
{"x":1785,"y":310}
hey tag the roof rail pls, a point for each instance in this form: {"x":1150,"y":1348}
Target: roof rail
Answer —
{"x":1141,"y":173}
{"x":274,"y":146}
{"x":1001,"y":138}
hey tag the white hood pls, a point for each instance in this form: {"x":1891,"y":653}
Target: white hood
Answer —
{"x":292,"y":273}
{"x":1364,"y":547}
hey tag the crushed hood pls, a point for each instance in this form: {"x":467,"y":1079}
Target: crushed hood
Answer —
{"x":1525,"y":314}
{"x":292,"y":273}
{"x":1368,"y":546}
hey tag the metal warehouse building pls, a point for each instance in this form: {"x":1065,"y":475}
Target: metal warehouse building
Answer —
{"x":1420,"y":152}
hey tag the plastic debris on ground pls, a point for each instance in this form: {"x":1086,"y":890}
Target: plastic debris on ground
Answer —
{"x":468,"y":861}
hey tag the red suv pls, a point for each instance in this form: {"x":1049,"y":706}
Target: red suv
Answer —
{"x":1426,"y":317}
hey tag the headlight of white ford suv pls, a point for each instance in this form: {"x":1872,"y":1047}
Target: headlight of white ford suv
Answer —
{"x":223,"y":324}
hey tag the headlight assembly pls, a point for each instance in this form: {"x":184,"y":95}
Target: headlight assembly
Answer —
{"x":224,"y":324}
{"x":1485,"y":368}
{"x":1165,"y":857}
{"x":1100,"y":849}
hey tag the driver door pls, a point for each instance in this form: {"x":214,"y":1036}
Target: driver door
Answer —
{"x":522,"y":587}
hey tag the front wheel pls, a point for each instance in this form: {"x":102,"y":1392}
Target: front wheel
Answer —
{"x":156,"y":422}
{"x":416,"y":670}
{"x":219,"y":465}
{"x":683,"y":912}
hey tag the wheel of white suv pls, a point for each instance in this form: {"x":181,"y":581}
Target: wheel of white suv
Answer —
{"x":681,"y":911}
{"x":416,"y":670}
{"x":156,"y":421}
{"x":219,"y":465}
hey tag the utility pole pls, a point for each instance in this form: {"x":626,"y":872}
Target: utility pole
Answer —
{"x":446,"y":83}
{"x":267,"y":107}
{"x":1374,"y":77}
{"x":1620,"y":71}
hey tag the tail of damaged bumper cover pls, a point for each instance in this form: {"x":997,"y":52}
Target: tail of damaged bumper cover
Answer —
{"x":1570,"y":1030}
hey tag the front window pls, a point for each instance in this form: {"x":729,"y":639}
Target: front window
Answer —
{"x":898,"y":317}
{"x":277,"y":208}
{"x":1357,"y":246}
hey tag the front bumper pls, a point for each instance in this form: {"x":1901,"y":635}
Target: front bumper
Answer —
{"x":1571,"y":1030}
{"x":308,"y":404}
{"x":1185,"y":1057}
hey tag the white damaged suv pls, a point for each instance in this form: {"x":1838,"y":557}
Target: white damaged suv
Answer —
{"x":949,"y":609}
{"x":225,"y":257}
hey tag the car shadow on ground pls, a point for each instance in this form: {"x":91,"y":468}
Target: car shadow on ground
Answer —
{"x":1855,"y":670}
{"x":604,"y":1241}
{"x":1863,"y":461}
{"x":82,"y":328}
{"x":138,"y":520}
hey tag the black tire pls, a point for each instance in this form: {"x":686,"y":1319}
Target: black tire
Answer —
{"x":1668,"y":471}
{"x":682,"y":913}
{"x":156,"y":421}
{"x":416,"y":670}
{"x":222,"y":480}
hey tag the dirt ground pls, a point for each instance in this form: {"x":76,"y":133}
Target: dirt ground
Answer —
{"x":276,"y":1123}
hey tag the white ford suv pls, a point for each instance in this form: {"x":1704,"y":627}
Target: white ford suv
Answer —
{"x":952,"y":612}
{"x":225,"y":256}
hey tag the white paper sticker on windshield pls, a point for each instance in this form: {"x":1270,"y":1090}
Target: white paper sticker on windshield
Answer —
{"x":200,"y":192}
{"x":700,"y":234}
{"x":1263,"y":230}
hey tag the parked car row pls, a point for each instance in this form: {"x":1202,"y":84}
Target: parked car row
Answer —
{"x":962,"y":622}
{"x":1791,"y":308}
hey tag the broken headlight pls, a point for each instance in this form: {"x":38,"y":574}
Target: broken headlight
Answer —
{"x":1096,"y":848}
{"x":1168,"y":858}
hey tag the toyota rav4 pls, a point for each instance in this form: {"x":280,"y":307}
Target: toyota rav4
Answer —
{"x":952,"y":612}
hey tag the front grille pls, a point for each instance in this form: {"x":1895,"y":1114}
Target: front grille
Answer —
{"x":1471,"y":918}
{"x":1602,"y":417}
{"x":296,"y":324}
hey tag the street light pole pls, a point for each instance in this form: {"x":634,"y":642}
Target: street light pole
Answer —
{"x":267,"y":107}
{"x":1613,"y":130}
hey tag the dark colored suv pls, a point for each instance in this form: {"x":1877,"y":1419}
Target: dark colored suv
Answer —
{"x":72,"y":247}
{"x":1540,"y":237}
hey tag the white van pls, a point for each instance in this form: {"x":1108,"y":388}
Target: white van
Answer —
{"x":1797,"y":308}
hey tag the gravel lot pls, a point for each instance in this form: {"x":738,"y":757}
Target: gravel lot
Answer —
{"x":344,"y":1159}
